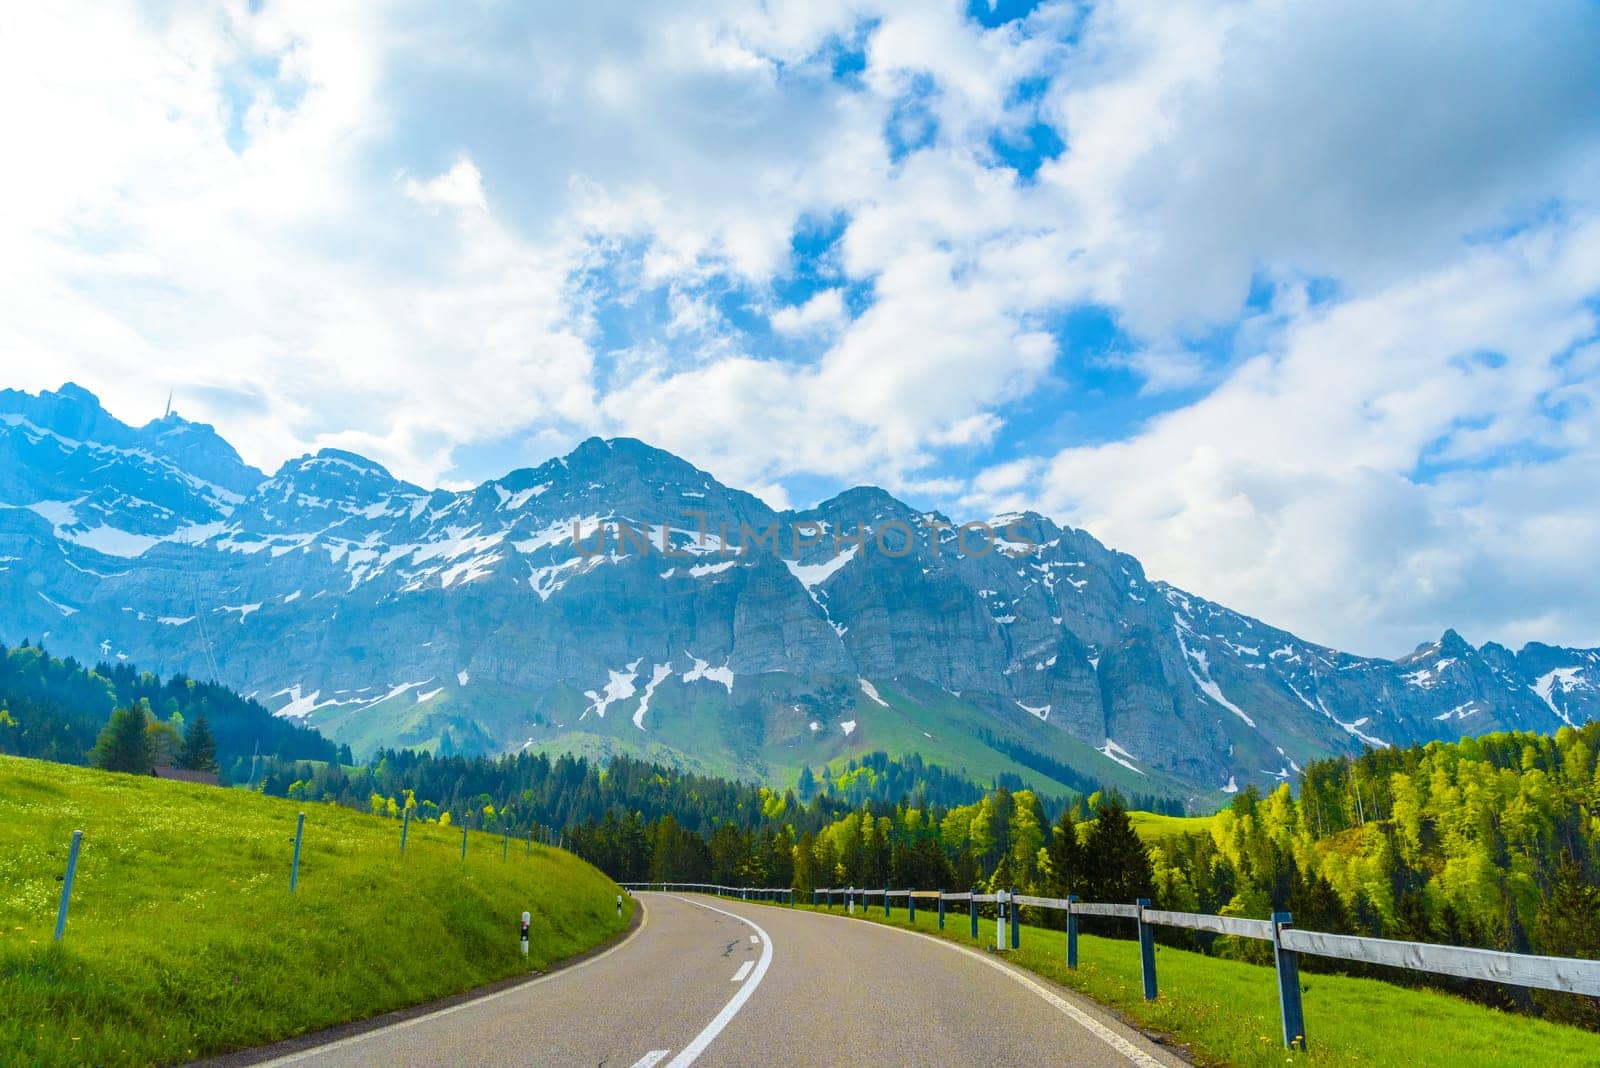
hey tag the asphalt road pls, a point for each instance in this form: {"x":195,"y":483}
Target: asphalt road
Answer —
{"x":711,"y":982}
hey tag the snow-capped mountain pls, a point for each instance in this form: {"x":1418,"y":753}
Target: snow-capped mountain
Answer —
{"x":618,"y":598}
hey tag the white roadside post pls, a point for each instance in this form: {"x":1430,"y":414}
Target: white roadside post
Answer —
{"x":619,"y":904}
{"x":1001,"y":899}
{"x":526,"y":919}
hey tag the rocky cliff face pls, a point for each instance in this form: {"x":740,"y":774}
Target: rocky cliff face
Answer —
{"x":620,"y":599}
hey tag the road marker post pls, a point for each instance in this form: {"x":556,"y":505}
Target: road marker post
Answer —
{"x":911,"y":908}
{"x":463,"y":841}
{"x":1016,"y":921}
{"x":619,"y":904}
{"x":66,"y":884}
{"x":505,"y":844}
{"x":1147,"y":951}
{"x":1000,"y":901}
{"x":850,"y":901}
{"x":1072,"y":932}
{"x":972,"y":907}
{"x":941,"y":909}
{"x":294,"y":868}
{"x":526,"y":919}
{"x":405,"y":825}
{"x":1288,"y":965}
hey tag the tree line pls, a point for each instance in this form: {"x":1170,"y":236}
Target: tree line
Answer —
{"x":54,"y":708}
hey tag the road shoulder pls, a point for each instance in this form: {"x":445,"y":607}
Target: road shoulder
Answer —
{"x":314,"y":1040}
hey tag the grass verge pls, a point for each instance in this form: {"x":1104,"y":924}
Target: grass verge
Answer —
{"x":183,"y":939}
{"x":1226,"y":1012}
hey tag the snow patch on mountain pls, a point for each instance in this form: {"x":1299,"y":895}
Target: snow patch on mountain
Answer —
{"x":619,"y":687}
{"x":872,"y":692}
{"x":658,"y":674}
{"x":703,"y":670}
{"x":1112,"y":751}
{"x":813,"y":575}
{"x":1041,"y":711}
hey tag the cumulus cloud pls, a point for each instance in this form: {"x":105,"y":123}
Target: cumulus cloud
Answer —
{"x":1348,"y":254}
{"x":1336,"y":483}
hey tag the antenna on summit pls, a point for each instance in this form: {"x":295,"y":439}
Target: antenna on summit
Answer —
{"x":169,"y":405}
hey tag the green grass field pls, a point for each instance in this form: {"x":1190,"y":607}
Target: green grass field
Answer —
{"x":183,"y":938}
{"x":1226,"y":1011}
{"x":1155,"y":829}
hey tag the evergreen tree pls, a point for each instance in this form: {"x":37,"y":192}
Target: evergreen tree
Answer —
{"x":1116,"y":864}
{"x":967,"y":871}
{"x":199,"y":752}
{"x":1066,"y":856}
{"x":1569,"y":926}
{"x":124,"y":743}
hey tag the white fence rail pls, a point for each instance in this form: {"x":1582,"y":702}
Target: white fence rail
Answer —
{"x":1565,"y":974}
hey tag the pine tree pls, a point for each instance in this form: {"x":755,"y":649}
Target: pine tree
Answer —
{"x":1066,"y":856}
{"x":1569,"y":926}
{"x":1117,"y":865}
{"x":967,"y":872}
{"x":123,"y":744}
{"x":199,"y":752}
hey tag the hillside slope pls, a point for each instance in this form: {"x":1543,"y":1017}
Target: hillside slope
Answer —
{"x":183,"y":939}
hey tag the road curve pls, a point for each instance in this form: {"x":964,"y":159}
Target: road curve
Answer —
{"x":710,"y":982}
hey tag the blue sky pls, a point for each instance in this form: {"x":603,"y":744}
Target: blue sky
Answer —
{"x":1297,"y":305}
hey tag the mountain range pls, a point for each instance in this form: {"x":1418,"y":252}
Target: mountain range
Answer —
{"x":618,"y":599}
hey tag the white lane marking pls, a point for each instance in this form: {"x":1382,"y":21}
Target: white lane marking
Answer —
{"x":744,"y":970}
{"x":1083,"y":1019}
{"x":317,"y":1051}
{"x":692,"y":1051}
{"x":651,"y":1059}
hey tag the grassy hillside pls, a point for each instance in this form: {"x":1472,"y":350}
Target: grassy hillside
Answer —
{"x":770,"y":738}
{"x":1155,"y":829}
{"x":184,"y":940}
{"x":1227,"y":1011}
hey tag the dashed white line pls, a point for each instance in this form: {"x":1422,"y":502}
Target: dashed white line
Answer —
{"x":692,"y":1051}
{"x":744,"y":970}
{"x":651,"y":1059}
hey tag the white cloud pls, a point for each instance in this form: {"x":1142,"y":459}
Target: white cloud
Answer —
{"x":459,"y":187}
{"x":824,"y":311}
{"x":1293,"y":490}
{"x":509,"y":229}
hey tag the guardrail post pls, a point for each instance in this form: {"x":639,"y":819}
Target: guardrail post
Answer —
{"x":1072,"y":932}
{"x":1288,"y":962}
{"x":886,"y":901}
{"x":294,"y":868}
{"x":405,"y":825}
{"x":911,"y":908}
{"x":66,"y":884}
{"x":941,"y":909}
{"x":1016,"y":921}
{"x":1147,"y":951}
{"x":972,"y":907}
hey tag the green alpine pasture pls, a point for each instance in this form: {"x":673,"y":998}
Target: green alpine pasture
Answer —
{"x":183,"y":939}
{"x":1226,"y":1011}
